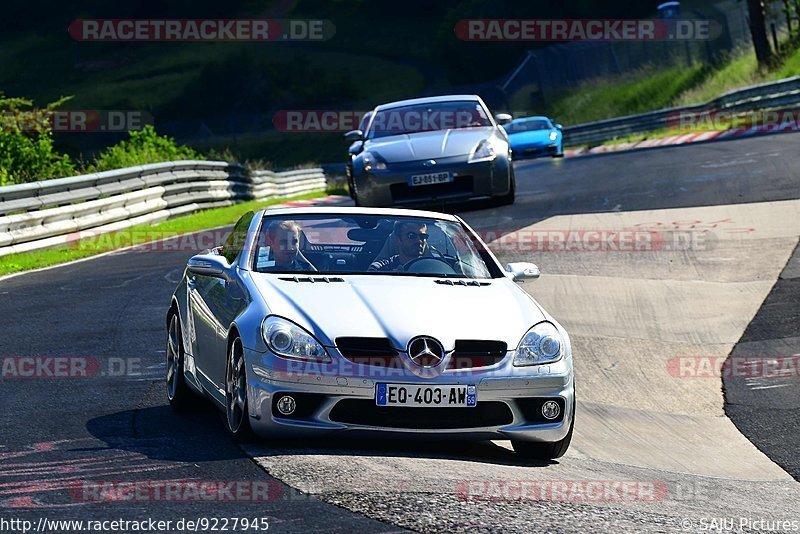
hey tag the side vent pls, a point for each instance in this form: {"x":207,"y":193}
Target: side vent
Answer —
{"x":449,"y":282}
{"x":312,"y":279}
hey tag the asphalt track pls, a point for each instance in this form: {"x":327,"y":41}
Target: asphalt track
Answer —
{"x":629,"y":313}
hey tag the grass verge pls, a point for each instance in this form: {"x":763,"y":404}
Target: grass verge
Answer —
{"x":651,"y":88}
{"x":83,"y":248}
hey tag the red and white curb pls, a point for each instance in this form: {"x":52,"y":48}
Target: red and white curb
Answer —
{"x":682,"y":139}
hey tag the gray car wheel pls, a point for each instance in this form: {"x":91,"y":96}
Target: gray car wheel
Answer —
{"x":531,"y":450}
{"x":238,"y":414}
{"x":177,"y":391}
{"x":508,"y":198}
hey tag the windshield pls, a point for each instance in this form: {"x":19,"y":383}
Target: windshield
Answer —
{"x":528,"y":126}
{"x":428,"y":117}
{"x":329,"y":244}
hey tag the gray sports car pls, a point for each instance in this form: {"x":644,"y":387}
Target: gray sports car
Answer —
{"x":366,"y":321}
{"x":431,"y":151}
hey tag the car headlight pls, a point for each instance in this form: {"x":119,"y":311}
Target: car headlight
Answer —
{"x":373,"y":162}
{"x":542,"y":344}
{"x":286,"y":339}
{"x":483,"y":151}
{"x":553,"y":136}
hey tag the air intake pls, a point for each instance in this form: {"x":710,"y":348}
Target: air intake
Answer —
{"x":311,"y":279}
{"x":449,"y":282}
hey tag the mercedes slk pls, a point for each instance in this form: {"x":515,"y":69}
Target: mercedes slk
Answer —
{"x":367,"y":321}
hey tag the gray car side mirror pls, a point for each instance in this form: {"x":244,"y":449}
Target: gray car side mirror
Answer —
{"x":209,"y":265}
{"x":520,"y":271}
{"x":503,"y":118}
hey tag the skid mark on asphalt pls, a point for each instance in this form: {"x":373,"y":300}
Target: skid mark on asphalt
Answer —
{"x":30,"y":480}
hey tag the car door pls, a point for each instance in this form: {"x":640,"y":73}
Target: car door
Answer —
{"x":215,"y":303}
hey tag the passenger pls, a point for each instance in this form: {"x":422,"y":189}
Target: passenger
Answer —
{"x":283,"y":238}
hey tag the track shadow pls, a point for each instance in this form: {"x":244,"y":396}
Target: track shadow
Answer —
{"x":485,"y":452}
{"x":162,"y":434}
{"x":200,"y":436}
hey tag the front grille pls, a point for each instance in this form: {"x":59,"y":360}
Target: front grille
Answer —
{"x":367,"y":413}
{"x":461,"y":185}
{"x":375,"y":351}
{"x":470,"y":353}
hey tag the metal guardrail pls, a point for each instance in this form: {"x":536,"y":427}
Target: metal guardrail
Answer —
{"x":52,"y":212}
{"x":771,"y":95}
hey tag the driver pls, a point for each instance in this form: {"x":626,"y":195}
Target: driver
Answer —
{"x":412,"y":237}
{"x":283,"y":238}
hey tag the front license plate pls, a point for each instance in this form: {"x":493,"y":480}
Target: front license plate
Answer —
{"x":465,"y":396}
{"x":430,"y":179}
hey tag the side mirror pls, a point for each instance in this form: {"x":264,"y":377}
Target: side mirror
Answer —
{"x":522,"y":271}
{"x":209,"y":265}
{"x":355,"y":148}
{"x":559,"y":127}
{"x":354,"y":135}
{"x":503,"y":118}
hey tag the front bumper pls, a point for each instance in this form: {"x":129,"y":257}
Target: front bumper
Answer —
{"x":470,"y":180}
{"x":508,"y":401}
{"x":536,"y":151}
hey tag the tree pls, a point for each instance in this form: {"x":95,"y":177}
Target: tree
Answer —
{"x":758,"y":31}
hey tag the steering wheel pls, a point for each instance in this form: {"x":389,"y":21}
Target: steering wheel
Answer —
{"x":428,"y":265}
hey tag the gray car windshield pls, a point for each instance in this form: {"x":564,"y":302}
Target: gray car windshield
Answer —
{"x":427,"y":118}
{"x":327,"y":244}
{"x":528,"y":126}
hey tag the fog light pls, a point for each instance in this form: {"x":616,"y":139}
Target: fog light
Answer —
{"x":550,"y":409}
{"x":287,"y":405}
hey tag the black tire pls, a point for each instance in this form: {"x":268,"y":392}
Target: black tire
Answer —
{"x":508,"y":198}
{"x":532,"y":450}
{"x":351,"y":188}
{"x":179,"y":395}
{"x":236,"y":406}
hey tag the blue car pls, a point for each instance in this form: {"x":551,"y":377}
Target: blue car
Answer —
{"x":533,"y":137}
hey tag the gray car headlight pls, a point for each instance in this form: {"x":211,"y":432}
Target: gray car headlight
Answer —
{"x":373,"y":162}
{"x":553,"y":136}
{"x":542,"y":344}
{"x":286,"y":339}
{"x":483,"y":151}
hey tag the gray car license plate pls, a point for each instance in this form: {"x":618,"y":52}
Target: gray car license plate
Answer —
{"x":430,"y":179}
{"x":459,"y":396}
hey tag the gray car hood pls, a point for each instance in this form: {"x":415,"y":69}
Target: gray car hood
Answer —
{"x":401,"y":307}
{"x":429,"y":145}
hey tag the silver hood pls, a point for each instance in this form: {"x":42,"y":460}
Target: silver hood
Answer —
{"x":401,"y":308}
{"x":429,"y":145}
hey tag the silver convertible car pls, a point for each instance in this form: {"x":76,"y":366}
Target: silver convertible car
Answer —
{"x":369,"y":321}
{"x":430,"y":151}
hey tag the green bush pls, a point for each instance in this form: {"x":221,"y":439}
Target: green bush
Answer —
{"x":26,"y":143}
{"x":144,"y":146}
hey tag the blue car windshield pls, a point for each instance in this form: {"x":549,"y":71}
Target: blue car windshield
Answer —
{"x":528,"y":126}
{"x":329,"y":244}
{"x":428,"y":118}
